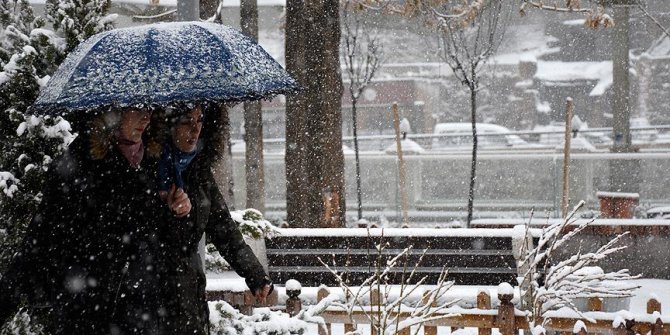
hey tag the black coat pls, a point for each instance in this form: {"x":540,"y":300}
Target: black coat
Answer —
{"x":170,"y":299}
{"x":71,"y":263}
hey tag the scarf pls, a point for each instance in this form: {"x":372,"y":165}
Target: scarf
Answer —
{"x":132,"y":151}
{"x":171,"y":165}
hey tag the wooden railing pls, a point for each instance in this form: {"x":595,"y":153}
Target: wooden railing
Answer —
{"x":506,"y":318}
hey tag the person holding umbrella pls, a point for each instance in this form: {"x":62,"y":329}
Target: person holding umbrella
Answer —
{"x":74,"y":252}
{"x":105,"y":201}
{"x":171,"y":299}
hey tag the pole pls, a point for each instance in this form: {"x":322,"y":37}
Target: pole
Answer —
{"x":188,"y":10}
{"x":566,"y":158}
{"x":624,"y":176}
{"x":401,"y":166}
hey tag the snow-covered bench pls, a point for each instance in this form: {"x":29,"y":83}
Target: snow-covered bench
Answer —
{"x":471,"y":256}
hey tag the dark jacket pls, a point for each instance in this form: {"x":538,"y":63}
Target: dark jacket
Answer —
{"x":71,"y":262}
{"x":174,"y":294}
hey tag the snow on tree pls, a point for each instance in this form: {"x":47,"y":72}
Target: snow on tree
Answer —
{"x":29,"y":54}
{"x":550,"y":284}
{"x":78,"y":20}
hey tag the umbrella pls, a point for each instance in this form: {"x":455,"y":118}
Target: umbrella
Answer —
{"x":160,"y":64}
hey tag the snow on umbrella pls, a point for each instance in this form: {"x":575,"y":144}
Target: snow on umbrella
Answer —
{"x":160,"y":64}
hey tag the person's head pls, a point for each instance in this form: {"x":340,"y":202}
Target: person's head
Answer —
{"x":133,"y":123}
{"x":186,"y":131}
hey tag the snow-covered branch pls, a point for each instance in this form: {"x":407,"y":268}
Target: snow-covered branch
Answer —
{"x":393,"y":308}
{"x":550,"y":284}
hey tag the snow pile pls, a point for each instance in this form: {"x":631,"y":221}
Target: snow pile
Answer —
{"x":226,"y":320}
{"x":505,"y":289}
{"x":407,"y":146}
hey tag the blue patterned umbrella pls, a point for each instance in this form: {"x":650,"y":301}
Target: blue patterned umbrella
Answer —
{"x":161,"y":64}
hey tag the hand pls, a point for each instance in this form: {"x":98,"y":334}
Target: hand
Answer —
{"x":178,"y":201}
{"x":263,"y":292}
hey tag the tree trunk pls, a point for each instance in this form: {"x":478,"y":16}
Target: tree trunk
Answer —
{"x":223,"y":168}
{"x":624,"y":174}
{"x":473,"y":166}
{"x":314,"y":159}
{"x":359,"y":195}
{"x":253,"y":122}
{"x":208,"y":8}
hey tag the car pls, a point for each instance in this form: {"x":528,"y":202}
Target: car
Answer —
{"x":553,"y":134}
{"x":458,"y":135}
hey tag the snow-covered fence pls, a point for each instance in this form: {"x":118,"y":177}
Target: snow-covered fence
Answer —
{"x":242,"y":300}
{"x":471,"y":256}
{"x":504,"y":317}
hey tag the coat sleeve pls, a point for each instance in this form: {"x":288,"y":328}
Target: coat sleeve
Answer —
{"x":223,"y":232}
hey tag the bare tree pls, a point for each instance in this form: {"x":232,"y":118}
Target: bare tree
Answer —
{"x":314,"y":158}
{"x":361,"y":50}
{"x":466,"y":41}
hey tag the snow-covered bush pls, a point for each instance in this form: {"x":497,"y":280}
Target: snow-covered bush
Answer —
{"x":393,"y":299}
{"x":226,"y":320}
{"x":22,"y":324}
{"x":551,"y":284}
{"x":251,"y":224}
{"x":30,"y":53}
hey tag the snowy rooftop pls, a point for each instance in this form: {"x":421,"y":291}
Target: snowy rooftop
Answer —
{"x":572,"y":71}
{"x":660,"y":48}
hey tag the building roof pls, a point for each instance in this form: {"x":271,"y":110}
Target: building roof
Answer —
{"x":660,"y":48}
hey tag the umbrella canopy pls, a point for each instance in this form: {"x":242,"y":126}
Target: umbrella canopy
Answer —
{"x":160,"y":64}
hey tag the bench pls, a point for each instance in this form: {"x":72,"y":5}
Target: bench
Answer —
{"x":471,"y":256}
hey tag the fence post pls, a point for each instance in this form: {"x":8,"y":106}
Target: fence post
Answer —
{"x":484,"y":302}
{"x":580,"y":328}
{"x":595,"y":304}
{"x":293,"y":303}
{"x":653,"y":305}
{"x":429,"y":330}
{"x":657,"y":328}
{"x":248,"y":301}
{"x":375,"y":300}
{"x":321,"y":294}
{"x":624,"y":327}
{"x":505,"y":320}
